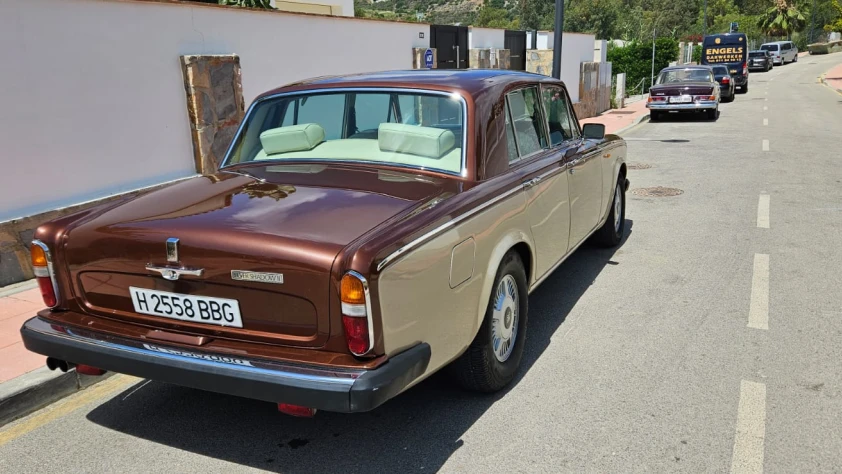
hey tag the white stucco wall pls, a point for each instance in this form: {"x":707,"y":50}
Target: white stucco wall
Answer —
{"x":486,"y":38}
{"x":94,"y":95}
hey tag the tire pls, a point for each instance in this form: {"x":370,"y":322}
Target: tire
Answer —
{"x":712,"y":114}
{"x":654,"y":116}
{"x":611,"y":233}
{"x":744,"y":89}
{"x":795,"y":60}
{"x":486,"y":367}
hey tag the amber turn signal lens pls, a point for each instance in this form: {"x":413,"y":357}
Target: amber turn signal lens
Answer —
{"x":352,"y":290}
{"x":39,"y":258}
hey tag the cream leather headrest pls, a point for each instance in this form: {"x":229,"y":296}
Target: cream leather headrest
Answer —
{"x":293,"y":138}
{"x":422,"y":141}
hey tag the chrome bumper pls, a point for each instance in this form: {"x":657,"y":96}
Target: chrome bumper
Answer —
{"x":700,"y":105}
{"x":324,"y":388}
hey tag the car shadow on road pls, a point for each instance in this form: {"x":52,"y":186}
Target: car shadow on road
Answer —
{"x":418,"y":430}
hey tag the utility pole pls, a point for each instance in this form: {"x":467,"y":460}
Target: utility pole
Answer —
{"x":705,"y":21}
{"x":559,"y":27}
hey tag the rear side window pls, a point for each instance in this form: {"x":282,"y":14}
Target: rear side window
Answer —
{"x":526,"y":121}
{"x":787,"y":46}
{"x":769,"y":47}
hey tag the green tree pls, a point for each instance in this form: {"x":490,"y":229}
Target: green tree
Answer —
{"x":600,"y":17}
{"x":533,"y":12}
{"x":495,"y":17}
{"x":635,"y":59}
{"x":247,"y":3}
{"x":781,"y":19}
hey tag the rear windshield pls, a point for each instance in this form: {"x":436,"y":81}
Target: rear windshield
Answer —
{"x":769,"y":47}
{"x":420,"y":130}
{"x":684,"y":75}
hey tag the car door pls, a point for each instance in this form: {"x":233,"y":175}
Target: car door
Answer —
{"x":584,"y":180}
{"x":545,"y":180}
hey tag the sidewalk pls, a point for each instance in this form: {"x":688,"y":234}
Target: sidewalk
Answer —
{"x":618,"y":120}
{"x":16,"y":308}
{"x":833,"y":78}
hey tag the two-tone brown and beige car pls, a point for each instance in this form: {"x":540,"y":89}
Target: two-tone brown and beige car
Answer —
{"x":362,"y":233}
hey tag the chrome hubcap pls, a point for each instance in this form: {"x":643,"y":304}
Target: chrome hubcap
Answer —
{"x":504,"y":318}
{"x":618,"y":208}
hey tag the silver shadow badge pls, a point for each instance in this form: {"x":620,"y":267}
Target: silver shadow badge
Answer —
{"x":242,"y":275}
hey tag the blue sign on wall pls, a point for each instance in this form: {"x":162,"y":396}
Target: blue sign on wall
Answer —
{"x":428,"y":59}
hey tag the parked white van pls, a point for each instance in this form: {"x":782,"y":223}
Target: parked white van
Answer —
{"x":782,"y":51}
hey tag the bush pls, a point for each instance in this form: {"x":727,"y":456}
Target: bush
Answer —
{"x":697,"y":54}
{"x":635,"y":59}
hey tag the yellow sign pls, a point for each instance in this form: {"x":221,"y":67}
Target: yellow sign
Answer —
{"x":724,"y":55}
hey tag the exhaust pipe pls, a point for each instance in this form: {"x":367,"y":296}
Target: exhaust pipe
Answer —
{"x":64,"y":366}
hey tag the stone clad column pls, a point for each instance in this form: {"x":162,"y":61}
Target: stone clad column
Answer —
{"x":214,"y":104}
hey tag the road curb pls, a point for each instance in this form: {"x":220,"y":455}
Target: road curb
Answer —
{"x":823,"y":81}
{"x":30,"y":392}
{"x":637,"y":122}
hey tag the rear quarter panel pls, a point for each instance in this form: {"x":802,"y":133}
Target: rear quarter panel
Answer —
{"x":417,"y":303}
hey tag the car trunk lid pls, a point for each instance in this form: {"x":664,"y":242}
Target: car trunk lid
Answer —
{"x":279,"y":220}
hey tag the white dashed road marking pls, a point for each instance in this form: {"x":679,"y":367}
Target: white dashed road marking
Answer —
{"x":765,"y":108}
{"x":765,"y":122}
{"x":765,"y":145}
{"x":763,"y":211}
{"x":758,"y":312}
{"x":751,"y":429}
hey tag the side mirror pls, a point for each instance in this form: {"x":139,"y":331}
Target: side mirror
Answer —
{"x":594,"y":131}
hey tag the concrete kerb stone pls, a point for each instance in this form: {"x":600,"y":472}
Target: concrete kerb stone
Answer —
{"x":637,"y":122}
{"x":823,"y":80}
{"x":30,"y":392}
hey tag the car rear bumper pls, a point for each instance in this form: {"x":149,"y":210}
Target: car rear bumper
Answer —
{"x":700,"y":105}
{"x":324,"y":388}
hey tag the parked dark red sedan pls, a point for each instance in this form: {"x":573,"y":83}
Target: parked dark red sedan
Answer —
{"x":684,"y":89}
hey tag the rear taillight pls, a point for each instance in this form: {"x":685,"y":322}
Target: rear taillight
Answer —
{"x":726,"y":80}
{"x":745,"y":69}
{"x":42,"y":265}
{"x":657,"y":99}
{"x":356,"y":313}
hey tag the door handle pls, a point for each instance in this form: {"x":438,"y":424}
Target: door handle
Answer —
{"x":571,"y":170}
{"x":530,"y":183}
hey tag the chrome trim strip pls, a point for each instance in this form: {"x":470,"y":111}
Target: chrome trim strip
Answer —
{"x":368,"y":309}
{"x":280,"y":373}
{"x":171,"y":273}
{"x":702,"y":104}
{"x":447,"y":225}
{"x":50,"y":268}
{"x":463,"y":173}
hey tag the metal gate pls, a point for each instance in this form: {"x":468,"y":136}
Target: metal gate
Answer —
{"x":515,"y":42}
{"x":451,"y":43}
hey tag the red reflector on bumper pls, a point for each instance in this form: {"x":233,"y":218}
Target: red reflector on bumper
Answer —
{"x":88,"y":370}
{"x":296,"y":410}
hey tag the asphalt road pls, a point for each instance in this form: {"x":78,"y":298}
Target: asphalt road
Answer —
{"x":705,"y":343}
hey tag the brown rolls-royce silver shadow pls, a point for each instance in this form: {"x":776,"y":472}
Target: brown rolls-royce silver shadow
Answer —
{"x":362,"y":233}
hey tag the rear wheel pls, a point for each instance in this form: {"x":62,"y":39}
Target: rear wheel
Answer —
{"x":654,"y":116}
{"x":492,"y":359}
{"x":744,"y":88}
{"x":712,"y":114}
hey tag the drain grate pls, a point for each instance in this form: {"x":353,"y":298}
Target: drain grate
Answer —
{"x":657,"y":191}
{"x":639,"y":166}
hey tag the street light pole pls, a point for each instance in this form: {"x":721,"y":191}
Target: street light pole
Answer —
{"x":559,"y":27}
{"x":652,"y":77}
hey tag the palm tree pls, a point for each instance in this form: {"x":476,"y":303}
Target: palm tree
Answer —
{"x":781,"y":19}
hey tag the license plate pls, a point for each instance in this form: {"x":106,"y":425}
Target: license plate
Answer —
{"x":684,"y":99}
{"x":198,"y":309}
{"x":733,"y":71}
